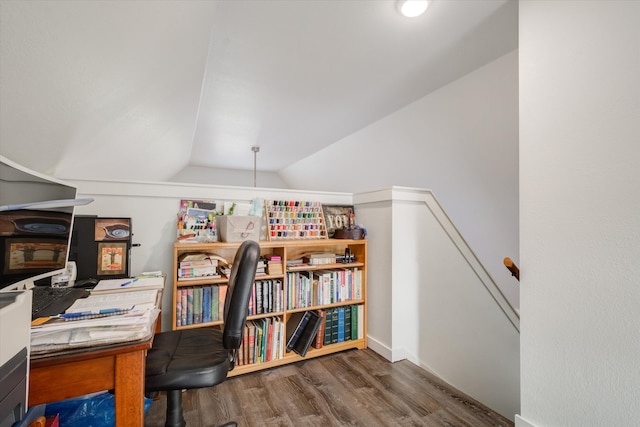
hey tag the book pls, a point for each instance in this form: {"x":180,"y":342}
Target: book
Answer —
{"x":211,"y":276}
{"x":320,"y":258}
{"x":179,"y":307}
{"x":206,"y":304}
{"x":197,"y":305}
{"x":244,"y":351}
{"x":198,"y":259}
{"x":354,"y":322}
{"x":252,"y":343}
{"x":189,"y":306}
{"x":258,"y":288}
{"x":341,"y":311}
{"x":360,"y":321}
{"x":222,"y":297}
{"x":269,"y":335}
{"x":317,"y":343}
{"x":308,"y":334}
{"x":328,"y":320}
{"x":347,"y":323}
{"x":334,"y":326}
{"x":277,"y":338}
{"x":208,"y":271}
{"x":215,"y":312}
{"x":295,"y":326}
{"x":183,"y":297}
{"x":206,"y":262}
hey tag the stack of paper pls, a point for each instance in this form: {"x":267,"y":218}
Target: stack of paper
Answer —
{"x":129,"y":284}
{"x":102,"y":318}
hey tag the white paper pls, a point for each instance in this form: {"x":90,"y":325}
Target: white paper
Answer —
{"x":128,"y":284}
{"x":118,"y":300}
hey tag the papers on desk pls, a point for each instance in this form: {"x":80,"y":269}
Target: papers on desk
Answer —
{"x":129,"y":284}
{"x":117,"y":300}
{"x":135,"y":324}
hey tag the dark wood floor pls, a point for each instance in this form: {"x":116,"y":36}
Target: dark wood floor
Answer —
{"x":354,"y":388}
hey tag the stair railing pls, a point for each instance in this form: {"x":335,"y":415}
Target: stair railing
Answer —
{"x":512,"y":267}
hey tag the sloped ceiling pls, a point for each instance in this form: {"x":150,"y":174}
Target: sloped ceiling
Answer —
{"x":141,"y":89}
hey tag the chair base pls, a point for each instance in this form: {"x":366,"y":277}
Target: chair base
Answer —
{"x":175,"y":417}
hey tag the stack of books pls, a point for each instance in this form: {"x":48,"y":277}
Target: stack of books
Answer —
{"x":320,"y":258}
{"x":200,"y":265}
{"x":261,"y":268}
{"x":274,"y":265}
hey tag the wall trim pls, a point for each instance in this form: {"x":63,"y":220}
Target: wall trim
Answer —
{"x":521,"y":422}
{"x":409,"y":194}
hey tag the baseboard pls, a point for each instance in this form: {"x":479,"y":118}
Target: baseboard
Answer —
{"x":521,"y":422}
{"x":380,"y":348}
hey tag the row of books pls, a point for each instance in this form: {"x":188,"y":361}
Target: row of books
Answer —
{"x":341,"y":324}
{"x":261,"y":341}
{"x":267,"y":339}
{"x":317,"y":328}
{"x":202,"y":304}
{"x":320,"y":287}
{"x":324,"y":327}
{"x":267,"y":296}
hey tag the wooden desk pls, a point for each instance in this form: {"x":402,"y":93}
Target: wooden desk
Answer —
{"x":115,"y":367}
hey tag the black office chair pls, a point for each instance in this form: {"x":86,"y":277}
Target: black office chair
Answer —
{"x":202,"y":357}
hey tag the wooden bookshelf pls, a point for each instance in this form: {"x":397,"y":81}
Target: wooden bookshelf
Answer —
{"x":353,"y":274}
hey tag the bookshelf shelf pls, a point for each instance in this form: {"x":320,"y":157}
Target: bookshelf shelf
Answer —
{"x":283,"y":296}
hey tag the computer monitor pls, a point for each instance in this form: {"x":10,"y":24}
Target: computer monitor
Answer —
{"x":36,"y":220}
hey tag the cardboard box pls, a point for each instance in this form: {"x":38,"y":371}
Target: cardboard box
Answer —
{"x":237,"y":228}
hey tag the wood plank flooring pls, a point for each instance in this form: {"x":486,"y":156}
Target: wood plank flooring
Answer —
{"x":351,"y":388}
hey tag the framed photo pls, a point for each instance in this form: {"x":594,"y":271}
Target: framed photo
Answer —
{"x":112,"y":259}
{"x":28,"y":255}
{"x":336,"y":217}
{"x":112,"y":229}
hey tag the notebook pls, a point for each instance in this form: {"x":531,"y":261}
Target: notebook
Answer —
{"x":48,"y":301}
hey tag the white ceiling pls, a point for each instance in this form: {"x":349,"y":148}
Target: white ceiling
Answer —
{"x":180,"y":83}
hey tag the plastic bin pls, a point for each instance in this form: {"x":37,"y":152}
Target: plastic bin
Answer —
{"x":238,"y":228}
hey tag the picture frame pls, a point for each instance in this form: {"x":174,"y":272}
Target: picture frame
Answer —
{"x":29,"y":255}
{"x":112,"y":259}
{"x":112,"y":229}
{"x":337,"y":217}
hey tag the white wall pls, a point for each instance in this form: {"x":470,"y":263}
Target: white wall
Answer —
{"x":461,"y":141}
{"x":580,"y":213}
{"x":429,"y":300}
{"x":236,"y":177}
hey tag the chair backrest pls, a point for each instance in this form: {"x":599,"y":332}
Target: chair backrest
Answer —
{"x":243,"y":274}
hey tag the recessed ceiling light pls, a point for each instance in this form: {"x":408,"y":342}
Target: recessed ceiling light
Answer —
{"x":413,"y":8}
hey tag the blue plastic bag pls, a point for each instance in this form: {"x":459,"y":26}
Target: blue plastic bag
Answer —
{"x":92,"y":410}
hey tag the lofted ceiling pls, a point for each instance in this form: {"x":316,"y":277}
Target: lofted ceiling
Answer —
{"x":142,"y":89}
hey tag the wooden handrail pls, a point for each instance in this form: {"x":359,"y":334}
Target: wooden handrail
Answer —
{"x":512,"y":267}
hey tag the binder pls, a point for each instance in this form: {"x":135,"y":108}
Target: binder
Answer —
{"x":308,"y":335}
{"x":295,"y":326}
